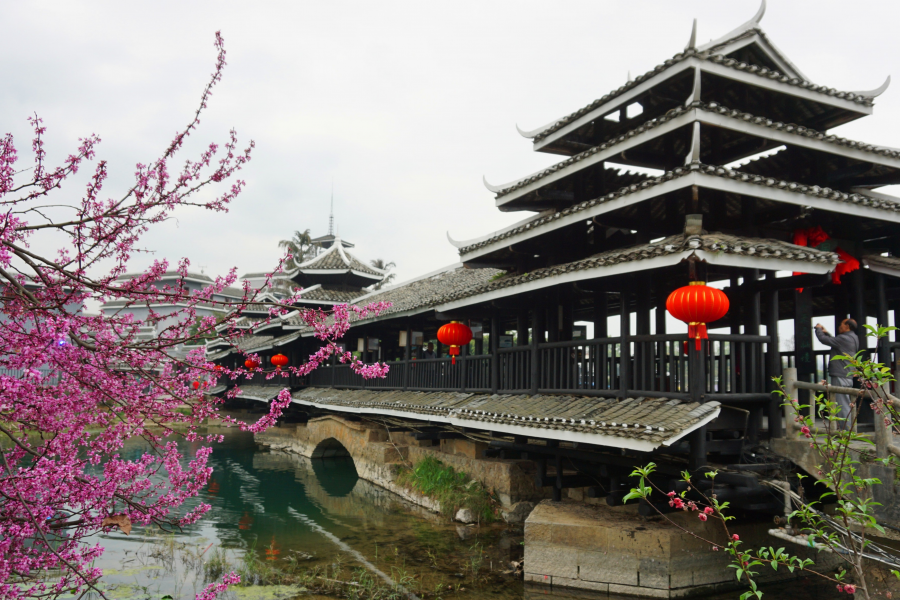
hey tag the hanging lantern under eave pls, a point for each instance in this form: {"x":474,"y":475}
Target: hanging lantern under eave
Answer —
{"x":196,"y":385}
{"x":454,"y":334}
{"x":251,"y":364}
{"x":279,"y":360}
{"x":697,"y":304}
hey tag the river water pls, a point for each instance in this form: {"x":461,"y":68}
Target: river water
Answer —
{"x":318,"y":517}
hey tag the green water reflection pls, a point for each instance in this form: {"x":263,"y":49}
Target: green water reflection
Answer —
{"x":282,"y":506}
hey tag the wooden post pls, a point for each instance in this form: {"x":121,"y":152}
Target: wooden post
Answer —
{"x":522,"y":328}
{"x":495,"y":359}
{"x":790,"y":413}
{"x":625,"y":347}
{"x":407,"y":353}
{"x":601,"y":312}
{"x":461,"y":363}
{"x":537,"y":336}
{"x":804,"y":359}
{"x":773,"y":361}
{"x":857,"y":282}
{"x":752,"y":310}
{"x":884,"y":354}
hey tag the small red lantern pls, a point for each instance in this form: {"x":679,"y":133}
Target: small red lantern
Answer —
{"x":454,"y":334}
{"x":218,"y":368}
{"x":279,"y":360}
{"x":697,"y":304}
{"x":251,"y":363}
{"x":196,"y":385}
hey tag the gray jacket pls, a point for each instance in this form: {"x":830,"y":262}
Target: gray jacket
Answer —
{"x":842,"y":344}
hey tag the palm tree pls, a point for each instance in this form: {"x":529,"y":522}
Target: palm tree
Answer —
{"x":382,"y":266}
{"x":300,"y":246}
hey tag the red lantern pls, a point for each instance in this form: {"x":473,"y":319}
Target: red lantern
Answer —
{"x":454,"y":334}
{"x":251,"y":363}
{"x":218,"y":368}
{"x":279,"y":360}
{"x":196,"y":385}
{"x":697,"y":304}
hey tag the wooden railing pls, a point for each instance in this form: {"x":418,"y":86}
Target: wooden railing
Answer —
{"x":732,"y":366}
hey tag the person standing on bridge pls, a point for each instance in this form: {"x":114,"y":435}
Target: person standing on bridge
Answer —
{"x":846,"y":342}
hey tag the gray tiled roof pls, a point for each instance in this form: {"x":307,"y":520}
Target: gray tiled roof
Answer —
{"x":332,"y":259}
{"x":653,"y":420}
{"x":431,"y":291}
{"x":715,"y":58}
{"x":712,"y":107}
{"x":711,"y":242}
{"x":761,"y":180}
{"x":331,"y":295}
{"x":423,"y":293}
{"x":876,"y":260}
{"x":258,"y":392}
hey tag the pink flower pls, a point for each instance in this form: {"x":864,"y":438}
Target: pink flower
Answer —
{"x":715,"y":548}
{"x":691,"y":505}
{"x":735,"y":537}
{"x":702,"y":516}
{"x":850,"y":588}
{"x":670,"y":494}
{"x":840,"y":587}
{"x":709,"y":510}
{"x":805,"y":431}
{"x":676,"y":503}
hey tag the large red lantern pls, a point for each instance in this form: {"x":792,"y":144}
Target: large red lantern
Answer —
{"x":279,"y":360}
{"x":196,"y":385}
{"x":454,"y":334}
{"x":697,"y":304}
{"x":251,"y":363}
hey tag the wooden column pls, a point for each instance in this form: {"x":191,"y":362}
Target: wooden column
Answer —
{"x":495,"y":359}
{"x":857,"y":282}
{"x":407,"y":356}
{"x":553,"y":317}
{"x":804,"y":360}
{"x":568,"y":318}
{"x":735,"y":306}
{"x":882,"y":309}
{"x":522,"y":327}
{"x":625,"y":348}
{"x":752,"y":322}
{"x":537,"y":337}
{"x":773,"y":362}
{"x":601,"y":312}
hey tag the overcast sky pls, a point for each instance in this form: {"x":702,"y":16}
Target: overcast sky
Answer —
{"x":403,"y":105}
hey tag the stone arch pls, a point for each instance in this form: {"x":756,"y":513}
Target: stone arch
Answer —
{"x":334,"y":467}
{"x":330,"y":448}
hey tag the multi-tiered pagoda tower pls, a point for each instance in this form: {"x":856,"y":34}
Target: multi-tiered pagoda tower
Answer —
{"x":738,"y":136}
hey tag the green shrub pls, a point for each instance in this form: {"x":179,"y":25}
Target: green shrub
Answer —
{"x":453,"y":490}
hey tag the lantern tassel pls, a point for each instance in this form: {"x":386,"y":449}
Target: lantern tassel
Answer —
{"x":454,"y":350}
{"x":698,"y":332}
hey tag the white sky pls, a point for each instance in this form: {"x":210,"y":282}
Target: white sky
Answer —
{"x":404,"y":105}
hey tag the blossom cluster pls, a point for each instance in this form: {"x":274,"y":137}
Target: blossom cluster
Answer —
{"x":75,"y":387}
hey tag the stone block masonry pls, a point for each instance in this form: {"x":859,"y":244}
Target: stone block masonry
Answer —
{"x":614,"y":550}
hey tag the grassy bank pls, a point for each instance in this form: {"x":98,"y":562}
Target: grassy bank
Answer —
{"x":452,"y":489}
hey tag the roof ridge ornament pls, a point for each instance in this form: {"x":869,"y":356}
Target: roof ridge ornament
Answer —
{"x":694,"y":154}
{"x":454,"y":242}
{"x":695,"y":91}
{"x":495,"y":188}
{"x":877,"y":91}
{"x":537,"y":131}
{"x":749,"y":25}
{"x":692,"y":43}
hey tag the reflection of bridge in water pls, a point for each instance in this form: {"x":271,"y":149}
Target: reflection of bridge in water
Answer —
{"x":332,"y":485}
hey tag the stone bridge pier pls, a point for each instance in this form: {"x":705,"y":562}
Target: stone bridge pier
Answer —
{"x":378,"y":455}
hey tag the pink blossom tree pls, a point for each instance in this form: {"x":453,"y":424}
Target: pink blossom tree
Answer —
{"x":75,"y":387}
